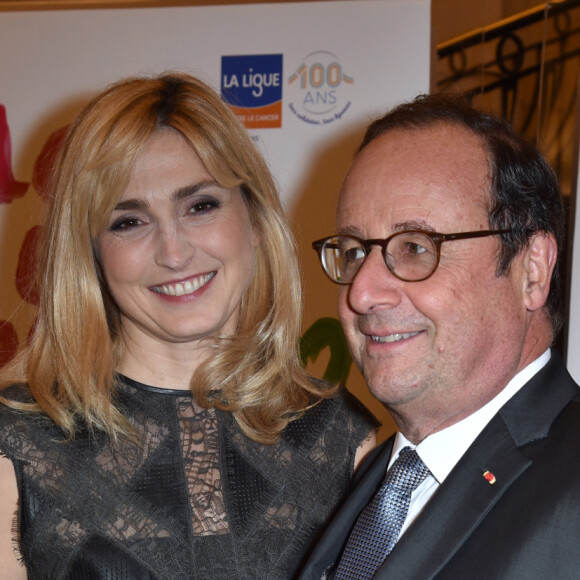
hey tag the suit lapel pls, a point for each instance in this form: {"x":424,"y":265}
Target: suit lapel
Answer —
{"x":458,"y":506}
{"x":466,"y":496}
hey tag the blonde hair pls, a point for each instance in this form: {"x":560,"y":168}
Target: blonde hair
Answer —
{"x":71,"y":358}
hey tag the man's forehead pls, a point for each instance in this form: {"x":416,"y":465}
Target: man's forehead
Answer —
{"x":437,"y":140}
{"x":414,"y":174}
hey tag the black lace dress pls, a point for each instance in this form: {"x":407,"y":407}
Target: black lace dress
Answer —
{"x":194,"y":499}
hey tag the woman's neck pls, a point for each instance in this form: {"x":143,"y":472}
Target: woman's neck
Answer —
{"x":167,"y":366}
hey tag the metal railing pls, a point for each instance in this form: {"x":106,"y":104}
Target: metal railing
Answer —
{"x":525,"y":68}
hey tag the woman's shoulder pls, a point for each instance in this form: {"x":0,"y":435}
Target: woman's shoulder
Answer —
{"x":343,"y":401}
{"x":20,"y":424}
{"x":15,"y":393}
{"x":14,"y":399}
{"x":341,"y":414}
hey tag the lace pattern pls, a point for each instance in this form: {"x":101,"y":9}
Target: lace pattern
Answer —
{"x":200,"y":452}
{"x":194,"y":498}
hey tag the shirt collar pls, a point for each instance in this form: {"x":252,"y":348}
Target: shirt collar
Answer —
{"x":441,"y":451}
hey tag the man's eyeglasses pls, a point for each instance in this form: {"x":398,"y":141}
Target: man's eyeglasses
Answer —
{"x":411,"y":255}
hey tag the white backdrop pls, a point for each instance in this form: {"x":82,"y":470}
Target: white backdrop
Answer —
{"x":339,"y":64}
{"x":573,"y":348}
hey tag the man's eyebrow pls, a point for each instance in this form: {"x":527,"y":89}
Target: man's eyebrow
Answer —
{"x":350,"y":231}
{"x":398,"y":227}
{"x":413,"y":225}
{"x":178,"y":194}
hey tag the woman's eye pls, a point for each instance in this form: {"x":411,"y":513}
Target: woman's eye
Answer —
{"x":204,"y":206}
{"x":125,"y":223}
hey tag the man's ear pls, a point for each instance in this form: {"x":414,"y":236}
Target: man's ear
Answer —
{"x":540,"y":258}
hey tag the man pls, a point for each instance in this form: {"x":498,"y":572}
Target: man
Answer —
{"x":453,"y":335}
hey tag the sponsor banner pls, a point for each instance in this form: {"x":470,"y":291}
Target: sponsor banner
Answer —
{"x":304,"y":77}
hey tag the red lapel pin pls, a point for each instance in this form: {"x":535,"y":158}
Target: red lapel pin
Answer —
{"x":489,"y":477}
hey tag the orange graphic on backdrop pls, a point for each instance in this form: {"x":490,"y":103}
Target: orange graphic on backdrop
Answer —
{"x":267,"y":117}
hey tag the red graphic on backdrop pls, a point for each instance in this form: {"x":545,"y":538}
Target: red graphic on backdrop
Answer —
{"x":45,"y":161}
{"x":10,"y":189}
{"x":8,"y":342}
{"x":26,"y":270}
{"x":41,"y":172}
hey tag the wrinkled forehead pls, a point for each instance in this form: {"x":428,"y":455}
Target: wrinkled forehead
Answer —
{"x":437,"y":177}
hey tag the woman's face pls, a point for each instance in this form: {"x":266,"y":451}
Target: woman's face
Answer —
{"x":178,"y":251}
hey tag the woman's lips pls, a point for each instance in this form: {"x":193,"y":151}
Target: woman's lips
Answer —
{"x":184,"y":288}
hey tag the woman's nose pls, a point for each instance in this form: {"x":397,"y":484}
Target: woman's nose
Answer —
{"x":174,"y":249}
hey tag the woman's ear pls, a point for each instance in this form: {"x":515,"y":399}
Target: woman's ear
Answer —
{"x":540,"y":258}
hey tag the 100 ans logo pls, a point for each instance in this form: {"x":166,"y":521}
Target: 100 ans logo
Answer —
{"x":320,"y":81}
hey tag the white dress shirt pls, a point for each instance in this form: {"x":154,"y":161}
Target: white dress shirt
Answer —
{"x":441,"y":451}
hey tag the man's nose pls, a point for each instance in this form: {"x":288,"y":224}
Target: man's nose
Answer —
{"x":374,"y":286}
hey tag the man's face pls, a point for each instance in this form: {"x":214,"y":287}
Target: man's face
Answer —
{"x":443,"y":347}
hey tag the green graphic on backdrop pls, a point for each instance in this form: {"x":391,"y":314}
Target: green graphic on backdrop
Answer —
{"x":327,"y":332}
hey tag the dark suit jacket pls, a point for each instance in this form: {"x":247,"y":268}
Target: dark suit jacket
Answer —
{"x":525,"y":526}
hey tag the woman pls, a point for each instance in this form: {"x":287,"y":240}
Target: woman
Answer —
{"x":159,"y":424}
